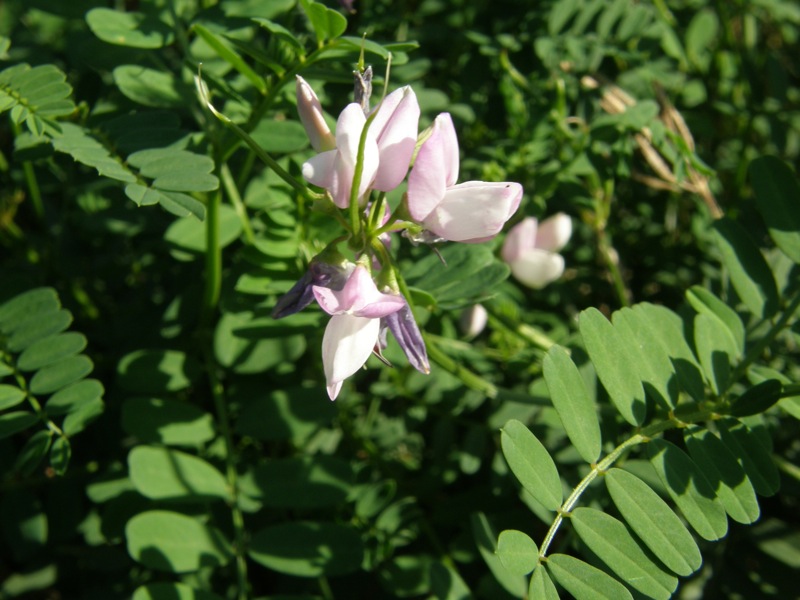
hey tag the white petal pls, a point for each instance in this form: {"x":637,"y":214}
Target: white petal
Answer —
{"x":474,"y":211}
{"x":319,"y":169}
{"x":520,"y":239}
{"x":348,"y":136}
{"x":554,"y":232}
{"x":346,"y":346}
{"x":537,"y":268}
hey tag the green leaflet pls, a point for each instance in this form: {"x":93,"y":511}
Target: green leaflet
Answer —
{"x":667,"y":328}
{"x":724,"y":473}
{"x":654,"y":522}
{"x":308,"y":549}
{"x":749,"y":273}
{"x":778,"y":200}
{"x":36,"y":96}
{"x":58,"y":375}
{"x":485,"y":536}
{"x":705,"y":302}
{"x":305,"y":482}
{"x":132,"y":29}
{"x":541,"y":587}
{"x":50,"y":350}
{"x":654,"y":365}
{"x":170,"y":422}
{"x":184,"y":544}
{"x":576,"y":409}
{"x":613,"y":543}
{"x":517,"y":551}
{"x":614,"y":358}
{"x":531,"y":464}
{"x":471,"y":270}
{"x":584,"y":581}
{"x":689,"y":488}
{"x":759,"y":398}
{"x":751,"y":454}
{"x":716,"y":350}
{"x":229,"y":55}
{"x":327,"y":23}
{"x":164,"y":474}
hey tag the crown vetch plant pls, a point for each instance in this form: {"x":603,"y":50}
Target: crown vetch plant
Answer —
{"x":165,"y":425}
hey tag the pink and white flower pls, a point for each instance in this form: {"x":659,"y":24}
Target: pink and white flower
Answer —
{"x":354,"y":327}
{"x":471,"y":212}
{"x":388,"y":147}
{"x":531,"y":249}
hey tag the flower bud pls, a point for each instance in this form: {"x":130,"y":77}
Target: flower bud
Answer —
{"x":310,"y":111}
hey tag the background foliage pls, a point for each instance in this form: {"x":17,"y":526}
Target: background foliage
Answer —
{"x":162,"y":437}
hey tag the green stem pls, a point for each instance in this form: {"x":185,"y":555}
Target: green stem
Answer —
{"x":231,"y":475}
{"x":36,"y":405}
{"x":210,"y":303}
{"x":470,"y":379}
{"x":644,"y":436}
{"x":233,"y":193}
{"x":32,"y":183}
{"x":358,"y":173}
{"x":213,"y":259}
{"x":525,"y":332}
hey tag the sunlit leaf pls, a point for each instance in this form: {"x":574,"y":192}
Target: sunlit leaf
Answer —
{"x":654,"y":522}
{"x":164,"y":474}
{"x":133,"y":29}
{"x":485,"y":538}
{"x":584,"y":581}
{"x":531,"y":464}
{"x":613,"y":543}
{"x":170,"y":541}
{"x":517,"y":551}
{"x":724,"y":473}
{"x":705,"y":302}
{"x":576,"y":409}
{"x":615,"y":364}
{"x":541,"y":587}
{"x":689,"y":488}
{"x":170,"y":422}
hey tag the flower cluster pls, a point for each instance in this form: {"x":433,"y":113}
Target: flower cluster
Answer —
{"x":370,"y":154}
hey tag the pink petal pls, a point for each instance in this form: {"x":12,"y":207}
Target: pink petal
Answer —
{"x":346,"y":345}
{"x":435,"y":168}
{"x":520,"y":238}
{"x":359,"y":297}
{"x":311,"y":115}
{"x":474,"y":211}
{"x":395,"y":126}
{"x":554,"y":232}
{"x":536,"y":268}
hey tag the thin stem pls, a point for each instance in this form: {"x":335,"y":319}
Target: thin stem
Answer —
{"x":358,"y":173}
{"x":470,"y":379}
{"x":644,"y":436}
{"x":233,"y":193}
{"x":231,"y":476}
{"x":210,"y":302}
{"x":521,"y":330}
{"x":31,"y":182}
